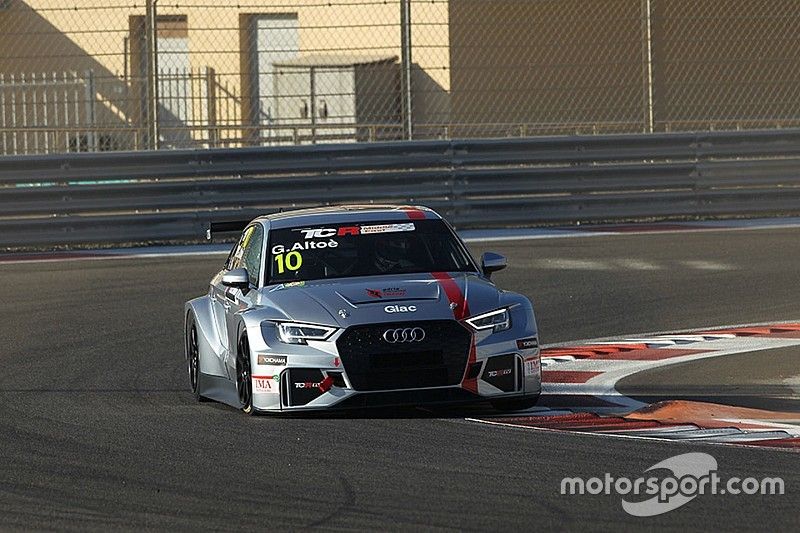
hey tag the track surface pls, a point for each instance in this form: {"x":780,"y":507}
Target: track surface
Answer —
{"x":98,"y":429}
{"x":767,"y":380}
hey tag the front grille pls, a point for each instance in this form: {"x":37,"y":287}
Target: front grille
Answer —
{"x":373,"y":364}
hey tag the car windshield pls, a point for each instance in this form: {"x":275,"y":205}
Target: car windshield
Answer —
{"x":365,"y":249}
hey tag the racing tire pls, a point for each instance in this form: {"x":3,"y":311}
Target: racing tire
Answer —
{"x":514,"y":404}
{"x":244,"y":383}
{"x":193,"y":358}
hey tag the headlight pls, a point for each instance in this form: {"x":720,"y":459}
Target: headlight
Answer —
{"x":499,"y":320}
{"x":294,"y":333}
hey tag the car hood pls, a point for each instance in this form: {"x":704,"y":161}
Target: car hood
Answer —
{"x":397,"y":298}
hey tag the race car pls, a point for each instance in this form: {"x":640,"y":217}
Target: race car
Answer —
{"x":359,"y":306}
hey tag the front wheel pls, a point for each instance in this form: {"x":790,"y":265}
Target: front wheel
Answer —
{"x":244,"y":383}
{"x":514,"y":404}
{"x":193,"y":358}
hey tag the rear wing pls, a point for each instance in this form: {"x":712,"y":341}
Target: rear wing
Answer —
{"x":226,"y":226}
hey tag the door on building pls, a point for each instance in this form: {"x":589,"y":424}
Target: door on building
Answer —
{"x":276,"y":39}
{"x":176,"y":103}
{"x":174,"y":82}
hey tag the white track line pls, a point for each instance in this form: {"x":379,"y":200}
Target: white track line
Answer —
{"x":471,"y":236}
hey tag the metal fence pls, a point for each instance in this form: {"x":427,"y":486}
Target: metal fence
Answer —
{"x":195,"y":73}
{"x":47,"y":113}
{"x":175,"y":195}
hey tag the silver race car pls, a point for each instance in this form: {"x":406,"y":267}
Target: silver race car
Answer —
{"x":351,"y":307}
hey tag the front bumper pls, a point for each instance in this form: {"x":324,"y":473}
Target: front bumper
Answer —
{"x":305,"y":388}
{"x":355,"y":368}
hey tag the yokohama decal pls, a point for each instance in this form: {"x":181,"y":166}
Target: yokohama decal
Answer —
{"x":460,"y":312}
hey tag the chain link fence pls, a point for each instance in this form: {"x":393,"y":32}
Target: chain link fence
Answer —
{"x":91,"y":75}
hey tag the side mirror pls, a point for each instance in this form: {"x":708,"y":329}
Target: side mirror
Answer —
{"x":492,"y":262}
{"x":237,"y":278}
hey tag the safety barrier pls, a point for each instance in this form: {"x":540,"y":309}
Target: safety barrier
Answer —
{"x":174,"y":195}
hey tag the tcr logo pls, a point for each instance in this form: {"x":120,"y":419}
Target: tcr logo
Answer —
{"x":325,"y":233}
{"x":307,"y":385}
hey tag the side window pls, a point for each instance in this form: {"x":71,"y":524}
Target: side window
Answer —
{"x":231,"y":257}
{"x":252,"y":244}
{"x":237,"y":254}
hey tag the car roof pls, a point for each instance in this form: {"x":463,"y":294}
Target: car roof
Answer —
{"x":348,"y":214}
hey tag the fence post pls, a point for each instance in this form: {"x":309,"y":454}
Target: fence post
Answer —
{"x":211,"y":106}
{"x":151,"y":53}
{"x":313,"y":110}
{"x":405,"y":74}
{"x":91,"y":118}
{"x":14,"y":140}
{"x":3,"y":113}
{"x":647,"y":64}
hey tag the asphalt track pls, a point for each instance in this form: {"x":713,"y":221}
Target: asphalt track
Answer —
{"x":98,"y":431}
{"x":767,"y":380}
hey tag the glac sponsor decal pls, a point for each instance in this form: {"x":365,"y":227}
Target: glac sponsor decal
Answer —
{"x":265,"y":385}
{"x":400,"y":309}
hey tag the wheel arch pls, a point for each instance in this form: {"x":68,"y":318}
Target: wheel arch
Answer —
{"x":207,"y":337}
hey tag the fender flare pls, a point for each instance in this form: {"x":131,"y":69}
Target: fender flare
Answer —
{"x":208,"y":342}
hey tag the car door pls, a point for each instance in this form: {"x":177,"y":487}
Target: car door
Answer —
{"x":249,"y":257}
{"x":219,"y":307}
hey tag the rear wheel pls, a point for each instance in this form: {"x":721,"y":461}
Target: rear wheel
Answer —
{"x":244,"y":383}
{"x":193,"y":358}
{"x":514,"y":404}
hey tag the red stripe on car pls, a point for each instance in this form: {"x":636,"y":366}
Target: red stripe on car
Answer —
{"x":454,"y":294}
{"x":460,"y":312}
{"x":414,"y":214}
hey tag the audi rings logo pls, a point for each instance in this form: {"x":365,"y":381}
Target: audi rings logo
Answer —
{"x":395,"y":336}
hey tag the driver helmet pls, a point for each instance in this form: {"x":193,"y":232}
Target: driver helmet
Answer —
{"x":390,"y":250}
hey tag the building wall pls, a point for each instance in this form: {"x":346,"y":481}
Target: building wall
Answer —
{"x":726,"y":64}
{"x":566,"y":66}
{"x":481,"y":67}
{"x":44,"y":36}
{"x":541,"y":64}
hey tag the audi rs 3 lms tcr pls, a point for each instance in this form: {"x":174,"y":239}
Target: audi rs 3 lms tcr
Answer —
{"x":350,"y":307}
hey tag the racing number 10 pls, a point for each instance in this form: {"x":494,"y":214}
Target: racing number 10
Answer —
{"x":290,"y":261}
